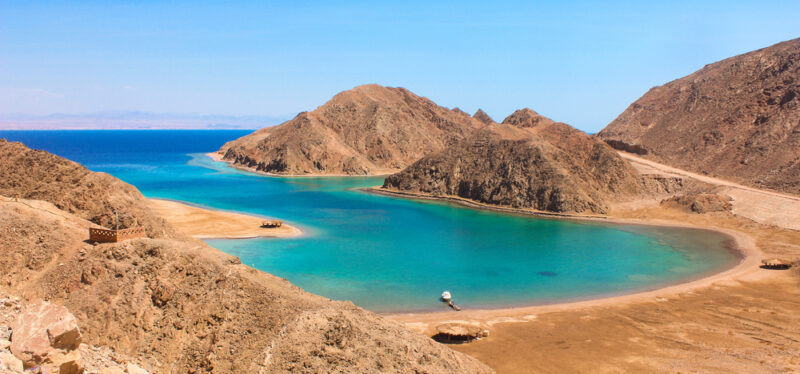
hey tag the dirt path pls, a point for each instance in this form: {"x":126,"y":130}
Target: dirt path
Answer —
{"x":766,"y":207}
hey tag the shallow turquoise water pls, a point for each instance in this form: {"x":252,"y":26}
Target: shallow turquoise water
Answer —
{"x":390,"y":254}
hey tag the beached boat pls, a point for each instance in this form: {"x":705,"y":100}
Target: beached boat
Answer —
{"x":446,"y":296}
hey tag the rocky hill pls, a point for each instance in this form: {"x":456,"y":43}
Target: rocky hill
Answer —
{"x":367,"y":130}
{"x":737,"y":119}
{"x":178,"y":305}
{"x":98,"y":197}
{"x":528,"y":161}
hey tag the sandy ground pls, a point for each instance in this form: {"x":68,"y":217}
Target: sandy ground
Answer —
{"x":767,"y":207}
{"x":205,"y":224}
{"x":746,"y":319}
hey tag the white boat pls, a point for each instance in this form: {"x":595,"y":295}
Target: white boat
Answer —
{"x":446,"y":296}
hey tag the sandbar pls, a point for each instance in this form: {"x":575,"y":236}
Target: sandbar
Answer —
{"x":214,"y":224}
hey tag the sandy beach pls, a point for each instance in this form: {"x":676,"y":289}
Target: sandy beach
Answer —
{"x":207,"y":224}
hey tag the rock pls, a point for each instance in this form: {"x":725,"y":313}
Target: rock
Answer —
{"x":699,"y":203}
{"x":134,"y":369}
{"x":10,"y":364}
{"x":47,"y":334}
{"x":527,"y":162}
{"x":111,"y":370}
{"x":4,"y":344}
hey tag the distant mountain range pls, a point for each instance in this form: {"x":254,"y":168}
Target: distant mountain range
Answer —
{"x":134,"y":120}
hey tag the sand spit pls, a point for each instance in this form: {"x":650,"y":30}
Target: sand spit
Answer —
{"x":206,"y":223}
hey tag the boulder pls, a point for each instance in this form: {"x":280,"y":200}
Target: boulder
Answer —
{"x":134,"y":369}
{"x":47,"y":335}
{"x":10,"y":364}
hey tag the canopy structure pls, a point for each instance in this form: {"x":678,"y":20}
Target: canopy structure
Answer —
{"x":776,"y":264}
{"x":454,"y":332}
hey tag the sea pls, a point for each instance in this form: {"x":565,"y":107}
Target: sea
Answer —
{"x":389,"y":254}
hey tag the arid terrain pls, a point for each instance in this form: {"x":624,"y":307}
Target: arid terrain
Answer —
{"x":737,"y":119}
{"x":172,"y":302}
{"x":370,"y":129}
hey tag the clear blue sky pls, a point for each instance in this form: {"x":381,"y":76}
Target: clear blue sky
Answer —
{"x":581,"y":62}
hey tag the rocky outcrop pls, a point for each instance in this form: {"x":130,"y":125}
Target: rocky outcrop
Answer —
{"x":480,"y":115}
{"x":47,"y":335}
{"x":181,"y":306}
{"x":367,"y":130}
{"x":98,"y":197}
{"x":737,"y":119}
{"x":528,"y":161}
{"x":699,"y":202}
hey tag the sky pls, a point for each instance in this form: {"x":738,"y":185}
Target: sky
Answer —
{"x":580,"y":62}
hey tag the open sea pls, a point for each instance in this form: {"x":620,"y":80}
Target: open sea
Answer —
{"x":389,"y":254}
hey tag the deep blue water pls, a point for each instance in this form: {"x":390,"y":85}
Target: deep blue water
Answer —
{"x":390,"y":254}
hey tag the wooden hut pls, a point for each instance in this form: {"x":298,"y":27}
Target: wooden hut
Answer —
{"x":271,"y":223}
{"x":775,"y":264}
{"x":458,"y":333}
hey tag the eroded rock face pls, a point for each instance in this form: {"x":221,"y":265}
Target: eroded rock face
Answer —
{"x":738,"y":119}
{"x":480,"y":115}
{"x":367,"y":130}
{"x":528,"y":161}
{"x":46,"y":334}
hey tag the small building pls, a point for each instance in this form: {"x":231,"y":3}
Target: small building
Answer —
{"x":271,"y":223}
{"x":115,"y":236}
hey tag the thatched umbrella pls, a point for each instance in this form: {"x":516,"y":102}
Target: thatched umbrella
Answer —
{"x":459,"y":332}
{"x":775,"y":263}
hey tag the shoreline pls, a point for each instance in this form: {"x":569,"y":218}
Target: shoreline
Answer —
{"x":744,"y":246}
{"x":746,"y":268}
{"x":204,"y":223}
{"x":217,"y":156}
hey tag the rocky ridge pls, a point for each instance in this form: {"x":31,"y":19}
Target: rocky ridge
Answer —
{"x":528,"y":162}
{"x":737,"y":119}
{"x":370,"y":129}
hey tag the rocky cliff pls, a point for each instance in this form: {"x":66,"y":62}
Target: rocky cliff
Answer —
{"x":737,"y":119}
{"x":528,"y":161}
{"x":178,"y":305}
{"x":367,"y":130}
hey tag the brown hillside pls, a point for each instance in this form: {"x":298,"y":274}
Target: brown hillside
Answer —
{"x":528,"y":161}
{"x":180,"y":305}
{"x":367,"y":130}
{"x":98,"y":197}
{"x":737,"y":119}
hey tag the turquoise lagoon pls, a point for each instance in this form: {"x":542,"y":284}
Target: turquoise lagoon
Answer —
{"x":390,"y":254}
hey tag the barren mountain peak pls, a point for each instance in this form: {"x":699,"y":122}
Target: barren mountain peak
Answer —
{"x":480,"y":115}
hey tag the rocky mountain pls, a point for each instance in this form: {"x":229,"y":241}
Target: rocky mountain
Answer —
{"x":367,"y":130}
{"x":528,"y":161}
{"x":480,"y":115}
{"x":174,"y":303}
{"x":738,"y":119}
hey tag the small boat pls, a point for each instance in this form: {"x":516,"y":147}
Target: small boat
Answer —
{"x":446,"y":296}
